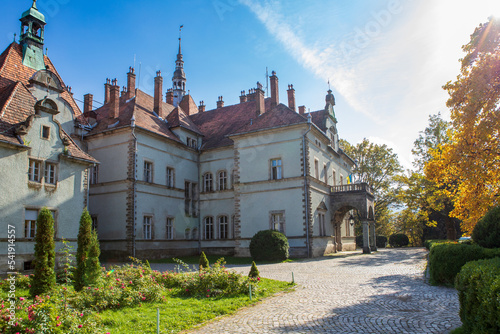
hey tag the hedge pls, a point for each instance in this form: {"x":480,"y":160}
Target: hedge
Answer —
{"x":446,"y":260}
{"x":381,"y":241}
{"x":269,"y":245}
{"x":486,"y":233}
{"x":398,"y":240}
{"x":478,"y":285}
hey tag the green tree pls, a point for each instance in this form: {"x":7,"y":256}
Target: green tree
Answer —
{"x":378,"y":166}
{"x":82,"y":251}
{"x":44,"y":277}
{"x":93,"y":266}
{"x":472,"y":156}
{"x":203,"y":262}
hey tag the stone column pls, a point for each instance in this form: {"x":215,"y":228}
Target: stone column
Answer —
{"x":366,"y":237}
{"x":373,"y":237}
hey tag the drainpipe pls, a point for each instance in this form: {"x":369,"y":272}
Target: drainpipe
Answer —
{"x":132,"y":124}
{"x":198,"y":162}
{"x":306,"y":197}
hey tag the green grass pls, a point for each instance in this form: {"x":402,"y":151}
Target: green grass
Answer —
{"x":181,"y":313}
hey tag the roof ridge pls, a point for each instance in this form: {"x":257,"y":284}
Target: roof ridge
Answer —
{"x":7,"y":52}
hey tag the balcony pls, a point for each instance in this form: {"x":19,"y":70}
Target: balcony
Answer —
{"x":353,"y":187}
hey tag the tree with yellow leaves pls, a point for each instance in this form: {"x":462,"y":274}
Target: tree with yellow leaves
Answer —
{"x":469,"y":165}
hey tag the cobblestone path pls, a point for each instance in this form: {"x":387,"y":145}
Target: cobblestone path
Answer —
{"x":383,"y":292}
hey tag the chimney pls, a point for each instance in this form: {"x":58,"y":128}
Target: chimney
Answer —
{"x":87,"y":103}
{"x":114,"y":100}
{"x":275,"y":98}
{"x":220,"y":102}
{"x":259,"y":100}
{"x":158,"y":103}
{"x":201,"y":107}
{"x":170,"y":96}
{"x":124,"y":91}
{"x":302,"y":110}
{"x":243,"y":97}
{"x":130,"y":83}
{"x":107,"y":91}
{"x":291,"y":97}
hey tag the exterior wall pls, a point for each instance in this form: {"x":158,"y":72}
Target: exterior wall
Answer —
{"x":66,"y":198}
{"x":66,"y":113}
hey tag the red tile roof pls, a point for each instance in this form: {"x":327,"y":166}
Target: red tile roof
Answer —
{"x":319,"y":118}
{"x":140,"y":107}
{"x":17,"y":103}
{"x":179,"y":118}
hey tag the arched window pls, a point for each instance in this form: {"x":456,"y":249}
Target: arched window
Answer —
{"x":208,"y":222}
{"x":207,"y":182}
{"x":223,"y":227}
{"x":222,"y":180}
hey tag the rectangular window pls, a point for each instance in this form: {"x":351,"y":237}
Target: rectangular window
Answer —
{"x":334,"y":177}
{"x":194,"y":202}
{"x":341,"y":180}
{"x":278,"y":222}
{"x":94,"y":223}
{"x":94,"y":170}
{"x":276,"y":169}
{"x":209,"y":228}
{"x":325,"y":174}
{"x":222,"y":184}
{"x":207,"y":182}
{"x":187,"y":198}
{"x":148,"y":171}
{"x":30,"y":217}
{"x":50,"y":173}
{"x":147,"y":227}
{"x":322,"y":225}
{"x":316,"y":168}
{"x":170,"y":228}
{"x":35,"y":170}
{"x":45,"y":132}
{"x":192,"y":142}
{"x":223,"y":227}
{"x":170,"y":177}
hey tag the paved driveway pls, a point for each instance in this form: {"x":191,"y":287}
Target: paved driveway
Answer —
{"x":384,"y":292}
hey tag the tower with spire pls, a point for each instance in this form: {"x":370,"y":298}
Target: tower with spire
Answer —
{"x":31,"y":38}
{"x":179,"y":78}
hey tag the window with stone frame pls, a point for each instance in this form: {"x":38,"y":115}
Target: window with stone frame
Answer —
{"x":276,"y":169}
{"x":147,"y":227}
{"x":35,"y":170}
{"x":94,"y":172}
{"x":195,"y":196}
{"x":169,"y":228}
{"x":148,"y":171}
{"x":322,"y":224}
{"x":334,"y":177}
{"x":325,"y":174}
{"x":277,"y":221}
{"x":30,"y":217}
{"x":50,"y":173}
{"x":223,"y":227}
{"x":170,"y":177}
{"x":208,"y":185}
{"x":222,"y":180}
{"x":316,"y":169}
{"x":45,"y":132}
{"x":208,"y":224}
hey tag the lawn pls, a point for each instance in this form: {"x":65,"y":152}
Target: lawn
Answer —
{"x":127,"y":298}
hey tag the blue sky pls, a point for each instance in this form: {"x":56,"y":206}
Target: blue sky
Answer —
{"x":386,"y":60}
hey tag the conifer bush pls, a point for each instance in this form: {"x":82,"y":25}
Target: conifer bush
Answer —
{"x":44,"y":277}
{"x":269,"y":245}
{"x":486,"y":233}
{"x":84,"y":241}
{"x":254,"y":272}
{"x":203,"y":264}
{"x":93,"y":266}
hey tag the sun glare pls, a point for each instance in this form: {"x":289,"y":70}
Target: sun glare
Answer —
{"x":493,"y":8}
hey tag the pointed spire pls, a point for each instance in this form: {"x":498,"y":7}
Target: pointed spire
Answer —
{"x":34,"y":4}
{"x":180,"y":37}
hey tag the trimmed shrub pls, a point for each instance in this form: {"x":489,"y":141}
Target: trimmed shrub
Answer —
{"x":254,"y":272}
{"x":44,"y":276}
{"x":399,"y":240}
{"x":430,"y":242}
{"x":446,"y":259}
{"x":269,"y":245}
{"x":381,"y":241}
{"x":486,"y":233}
{"x":478,"y":285}
{"x":84,"y":240}
{"x":203,"y":263}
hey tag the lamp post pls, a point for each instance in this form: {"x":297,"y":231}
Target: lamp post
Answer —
{"x":351,"y":221}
